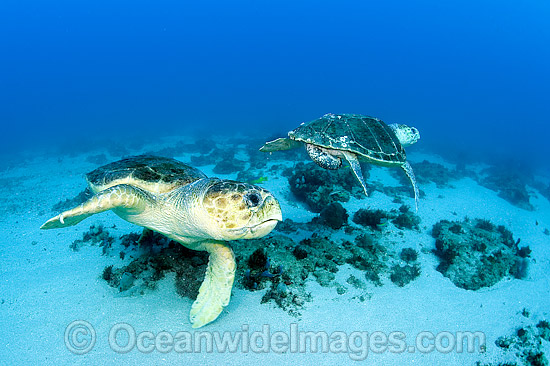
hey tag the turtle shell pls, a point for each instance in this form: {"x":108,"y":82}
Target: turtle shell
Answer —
{"x":366,"y":136}
{"x":151,"y":173}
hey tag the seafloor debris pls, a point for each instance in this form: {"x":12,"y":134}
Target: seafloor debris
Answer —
{"x":476,"y":253}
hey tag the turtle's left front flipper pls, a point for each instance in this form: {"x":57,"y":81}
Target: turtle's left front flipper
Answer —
{"x":122,"y":196}
{"x":215,"y":291}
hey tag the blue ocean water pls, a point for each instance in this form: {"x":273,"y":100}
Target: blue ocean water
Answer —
{"x":471,"y":75}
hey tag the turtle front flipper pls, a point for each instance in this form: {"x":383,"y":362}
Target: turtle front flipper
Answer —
{"x":124,"y":196}
{"x":323,"y":158}
{"x":280,"y":144}
{"x":356,"y":168}
{"x":215,"y":290}
{"x":409,"y":171}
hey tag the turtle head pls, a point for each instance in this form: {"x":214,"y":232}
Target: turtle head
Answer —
{"x":407,"y":135}
{"x":240,"y":210}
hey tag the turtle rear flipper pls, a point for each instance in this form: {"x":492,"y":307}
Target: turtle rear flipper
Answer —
{"x":132,"y":199}
{"x":215,"y":290}
{"x":280,"y":144}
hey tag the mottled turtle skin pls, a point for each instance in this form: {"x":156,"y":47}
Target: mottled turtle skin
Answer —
{"x":182,"y":203}
{"x":354,"y":137}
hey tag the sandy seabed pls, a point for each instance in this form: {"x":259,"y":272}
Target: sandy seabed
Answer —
{"x":51,"y":295}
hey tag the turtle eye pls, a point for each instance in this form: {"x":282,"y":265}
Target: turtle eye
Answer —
{"x":252,"y":199}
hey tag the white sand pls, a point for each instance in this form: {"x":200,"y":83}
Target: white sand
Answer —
{"x":45,"y":285}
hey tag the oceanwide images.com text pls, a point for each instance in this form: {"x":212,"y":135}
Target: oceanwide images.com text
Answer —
{"x":80,"y":338}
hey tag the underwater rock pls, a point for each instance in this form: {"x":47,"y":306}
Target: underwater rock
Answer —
{"x":509,"y":184}
{"x":277,"y":264}
{"x":229,"y":166}
{"x":542,"y":187}
{"x":356,"y":282}
{"x":318,"y":187}
{"x":427,"y":172}
{"x":375,"y":219}
{"x":252,"y":176}
{"x":178,"y":149}
{"x":258,"y":259}
{"x":324,"y":277}
{"x":406,"y":219}
{"x":201,"y":160}
{"x":259,"y":270}
{"x":526,"y":344}
{"x":300,"y":252}
{"x":369,"y":256}
{"x":408,"y":255}
{"x":334,"y":216}
{"x":366,"y":241}
{"x":475,"y":253}
{"x":402,"y":275}
{"x":202,"y":146}
{"x":211,"y":153}
{"x":314,"y":257}
{"x":256,"y":158}
{"x":126,"y":281}
{"x":96,"y":235}
{"x":287,"y":226}
{"x":153,"y":265}
{"x":107,"y":273}
{"x":263,"y":264}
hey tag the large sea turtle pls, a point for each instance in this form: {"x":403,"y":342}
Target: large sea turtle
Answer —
{"x":180,"y":202}
{"x":354,"y":137}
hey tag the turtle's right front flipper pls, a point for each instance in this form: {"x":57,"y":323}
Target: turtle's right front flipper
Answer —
{"x":124,"y":196}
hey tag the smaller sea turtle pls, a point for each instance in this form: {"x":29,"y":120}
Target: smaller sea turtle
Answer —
{"x":180,"y":202}
{"x":354,"y":137}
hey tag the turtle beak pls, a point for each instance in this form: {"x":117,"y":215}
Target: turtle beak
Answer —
{"x":270,"y":210}
{"x":264,"y":219}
